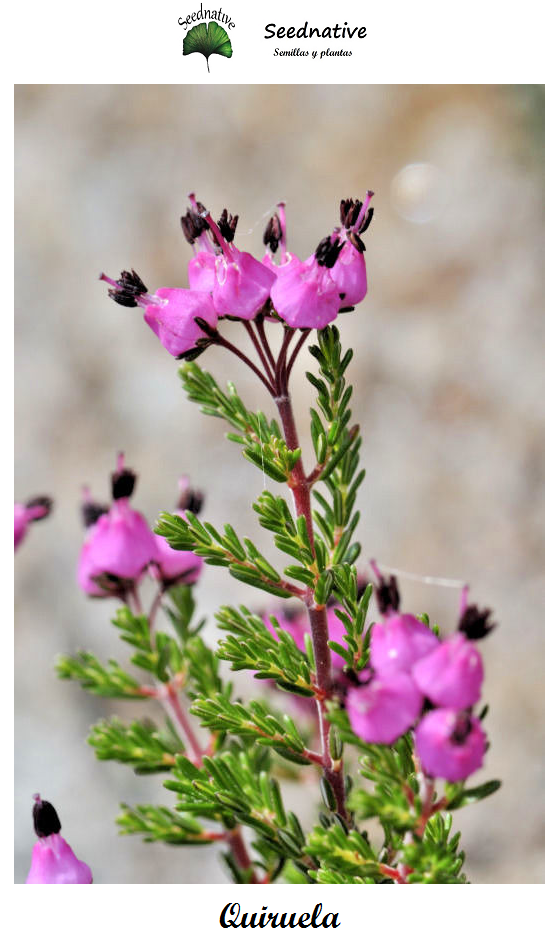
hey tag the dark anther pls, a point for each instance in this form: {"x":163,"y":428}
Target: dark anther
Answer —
{"x":476,"y":624}
{"x":357,"y":242}
{"x":227,"y":225}
{"x":91,"y":512}
{"x":327,"y":251}
{"x":45,"y":818}
{"x":462,"y":728}
{"x":123,"y":483}
{"x":366,"y":222}
{"x":387,"y":594}
{"x":129,"y":287}
{"x":191,"y":500}
{"x":273,"y":233}
{"x":44,"y":501}
{"x":193,"y":224}
{"x":349,"y":211}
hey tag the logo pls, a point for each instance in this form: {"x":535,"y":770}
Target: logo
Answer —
{"x":207,"y":38}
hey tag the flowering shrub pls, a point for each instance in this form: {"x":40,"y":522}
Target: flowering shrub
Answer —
{"x":384,"y":715}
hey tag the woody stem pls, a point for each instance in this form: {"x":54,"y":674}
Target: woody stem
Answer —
{"x":333,"y":770}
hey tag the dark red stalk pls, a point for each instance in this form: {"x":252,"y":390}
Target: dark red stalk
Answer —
{"x":300,"y":488}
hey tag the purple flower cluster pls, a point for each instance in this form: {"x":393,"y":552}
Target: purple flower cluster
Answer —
{"x":226,"y":282}
{"x":120,"y":547}
{"x":416,"y":677}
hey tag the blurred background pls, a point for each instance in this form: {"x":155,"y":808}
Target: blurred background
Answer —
{"x":448,"y":377}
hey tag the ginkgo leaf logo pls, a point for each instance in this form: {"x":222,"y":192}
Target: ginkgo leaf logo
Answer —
{"x":207,"y":38}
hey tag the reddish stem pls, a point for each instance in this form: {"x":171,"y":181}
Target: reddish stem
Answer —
{"x":298,"y":483}
{"x":181,"y":718}
{"x":391,"y":873}
{"x":238,"y":848}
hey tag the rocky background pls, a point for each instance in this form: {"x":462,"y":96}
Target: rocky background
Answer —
{"x":448,"y":391}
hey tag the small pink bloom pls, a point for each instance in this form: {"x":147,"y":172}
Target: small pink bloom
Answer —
{"x":32,"y":511}
{"x":349,"y":271}
{"x":174,"y":565}
{"x":452,"y":674}
{"x":242,"y":284}
{"x":305,"y":295}
{"x":398,"y":641}
{"x":53,"y":861}
{"x":386,"y":707}
{"x":173,"y":318}
{"x":170,"y":313}
{"x":450,"y":744}
{"x":119,"y":545}
{"x":349,"y":275}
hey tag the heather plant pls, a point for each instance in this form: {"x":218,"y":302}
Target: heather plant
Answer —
{"x":380,"y":710}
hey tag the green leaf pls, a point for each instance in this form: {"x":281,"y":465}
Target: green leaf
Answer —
{"x":464,"y":797}
{"x":207,"y":38}
{"x":143,"y":745}
{"x":161,"y":824}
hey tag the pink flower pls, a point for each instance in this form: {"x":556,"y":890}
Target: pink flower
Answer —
{"x":450,"y":744}
{"x":452,"y":674}
{"x":305,"y":294}
{"x":242,"y":284}
{"x":349,"y":271}
{"x":386,"y":707}
{"x":398,"y":641}
{"x":173,"y":320}
{"x":174,"y":565}
{"x":170,"y":313}
{"x":119,"y":545}
{"x":349,"y":275}
{"x":32,"y":511}
{"x":239,"y":283}
{"x":53,"y":861}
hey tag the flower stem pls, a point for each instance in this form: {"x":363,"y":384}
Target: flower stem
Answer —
{"x":264,"y":361}
{"x":333,"y":770}
{"x":238,"y":353}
